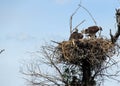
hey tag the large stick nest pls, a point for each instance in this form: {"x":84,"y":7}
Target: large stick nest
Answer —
{"x":94,"y":50}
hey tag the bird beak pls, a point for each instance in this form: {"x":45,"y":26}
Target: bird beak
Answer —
{"x":100,"y":28}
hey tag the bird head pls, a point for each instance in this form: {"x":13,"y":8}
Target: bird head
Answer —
{"x":100,"y":28}
{"x":76,"y":30}
{"x":85,"y":31}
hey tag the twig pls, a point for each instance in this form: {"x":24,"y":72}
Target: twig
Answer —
{"x":71,"y":17}
{"x":83,"y":20}
{"x":88,"y":13}
{"x":78,"y":25}
{"x":112,"y":38}
{"x":100,"y":70}
{"x":42,"y":75}
{"x":2,"y":51}
{"x":52,"y":63}
{"x":55,"y":42}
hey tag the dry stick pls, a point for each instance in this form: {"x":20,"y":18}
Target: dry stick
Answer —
{"x":51,"y":61}
{"x":100,"y":70}
{"x":2,"y":51}
{"x":80,"y":1}
{"x":83,"y":20}
{"x":88,"y":13}
{"x":116,"y":36}
{"x":47,"y":77}
{"x":112,"y":39}
{"x":55,"y":42}
{"x":71,"y":19}
{"x":79,"y":24}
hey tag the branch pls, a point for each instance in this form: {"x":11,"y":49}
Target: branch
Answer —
{"x":117,"y":34}
{"x":2,"y":51}
{"x":104,"y":68}
{"x":52,"y":63}
{"x":88,"y":13}
{"x":71,"y":17}
{"x":79,"y":24}
{"x":42,"y":75}
{"x":55,"y":42}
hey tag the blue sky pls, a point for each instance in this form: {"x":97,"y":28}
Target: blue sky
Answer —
{"x":26,"y":24}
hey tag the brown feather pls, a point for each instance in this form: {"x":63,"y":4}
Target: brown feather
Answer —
{"x":76,"y":35}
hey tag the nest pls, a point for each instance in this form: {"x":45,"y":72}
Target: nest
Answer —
{"x":94,"y":50}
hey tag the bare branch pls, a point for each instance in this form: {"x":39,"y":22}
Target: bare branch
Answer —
{"x":36,"y":74}
{"x":88,"y":13}
{"x":78,"y":25}
{"x":71,"y":17}
{"x":55,"y":42}
{"x":2,"y":51}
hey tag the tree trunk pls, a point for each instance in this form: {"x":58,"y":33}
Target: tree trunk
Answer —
{"x":86,"y":69}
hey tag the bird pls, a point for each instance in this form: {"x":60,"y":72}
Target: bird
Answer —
{"x":91,"y":31}
{"x":75,"y":35}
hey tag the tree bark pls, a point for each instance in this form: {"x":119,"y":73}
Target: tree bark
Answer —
{"x":86,"y":69}
{"x":116,"y":36}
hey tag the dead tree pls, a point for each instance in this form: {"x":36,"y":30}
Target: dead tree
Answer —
{"x":115,"y":37}
{"x":78,"y":62}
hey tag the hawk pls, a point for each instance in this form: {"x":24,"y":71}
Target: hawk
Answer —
{"x":76,"y":35}
{"x":92,"y":30}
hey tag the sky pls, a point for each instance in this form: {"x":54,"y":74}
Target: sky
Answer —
{"x":25,"y":25}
